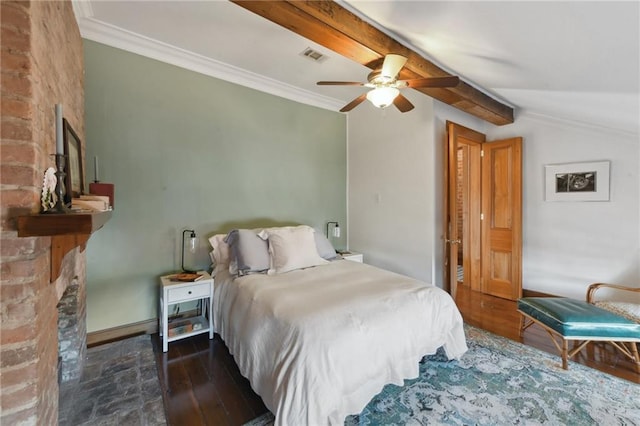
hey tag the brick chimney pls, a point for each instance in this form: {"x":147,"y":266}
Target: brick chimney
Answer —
{"x":41,"y":65}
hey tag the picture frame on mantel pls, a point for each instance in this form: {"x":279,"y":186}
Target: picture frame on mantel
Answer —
{"x":74,"y":179}
{"x":588,"y":181}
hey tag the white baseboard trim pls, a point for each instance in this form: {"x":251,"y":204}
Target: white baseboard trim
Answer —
{"x":96,"y":338}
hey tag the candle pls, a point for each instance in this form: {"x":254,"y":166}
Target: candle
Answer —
{"x":59,"y":138}
{"x":95,"y":167}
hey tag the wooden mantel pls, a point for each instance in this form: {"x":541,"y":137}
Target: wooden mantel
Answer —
{"x":67,"y":231}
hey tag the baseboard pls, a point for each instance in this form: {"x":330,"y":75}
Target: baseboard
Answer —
{"x":120,"y":332}
{"x":533,"y":293}
{"x":100,"y":337}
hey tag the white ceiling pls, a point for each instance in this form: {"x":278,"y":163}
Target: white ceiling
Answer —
{"x":576,"y":60}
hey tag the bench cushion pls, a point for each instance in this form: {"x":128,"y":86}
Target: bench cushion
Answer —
{"x":577,"y":319}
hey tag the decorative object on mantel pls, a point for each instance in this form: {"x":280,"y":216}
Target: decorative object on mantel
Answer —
{"x":100,"y":188}
{"x":91,"y":202}
{"x":73,"y":151}
{"x":67,"y":229}
{"x":49,"y":184}
{"x":60,"y":206}
{"x":577,"y":181}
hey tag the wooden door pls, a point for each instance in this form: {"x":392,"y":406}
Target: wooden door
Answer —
{"x":483,"y":181}
{"x":462,"y":203}
{"x":502,"y":218}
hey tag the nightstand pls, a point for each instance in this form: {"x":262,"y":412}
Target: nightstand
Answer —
{"x":352,"y":256}
{"x":173,"y":292}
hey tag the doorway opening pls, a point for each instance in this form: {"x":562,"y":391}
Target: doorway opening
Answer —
{"x":483,"y":213}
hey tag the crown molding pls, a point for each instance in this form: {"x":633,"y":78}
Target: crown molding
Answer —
{"x":110,"y":35}
{"x":82,"y":9}
{"x":545,"y":118}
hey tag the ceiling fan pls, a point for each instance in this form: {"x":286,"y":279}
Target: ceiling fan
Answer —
{"x":386,"y":86}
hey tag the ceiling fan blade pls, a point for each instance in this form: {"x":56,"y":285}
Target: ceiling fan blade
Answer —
{"x":339,"y":83}
{"x":354,"y":103}
{"x":433,"y":82}
{"x":392,"y":65}
{"x":402,"y":103}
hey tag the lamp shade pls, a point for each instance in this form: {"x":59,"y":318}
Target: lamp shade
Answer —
{"x":336,"y":231}
{"x":382,"y":97}
{"x":191,"y":246}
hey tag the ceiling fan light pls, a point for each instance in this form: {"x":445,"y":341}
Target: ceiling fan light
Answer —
{"x":382,"y":97}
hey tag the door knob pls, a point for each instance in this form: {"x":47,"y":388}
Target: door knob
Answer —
{"x":452,"y":241}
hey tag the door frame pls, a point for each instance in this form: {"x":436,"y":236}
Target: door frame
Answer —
{"x":453,"y":130}
{"x":499,"y":219}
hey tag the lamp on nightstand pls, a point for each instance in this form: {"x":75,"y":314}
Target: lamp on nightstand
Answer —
{"x":192,"y":245}
{"x":336,"y":229}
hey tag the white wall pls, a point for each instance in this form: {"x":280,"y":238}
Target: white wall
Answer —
{"x":395,"y":197}
{"x":568,"y":245}
{"x":442,"y":114}
{"x":391,"y":185}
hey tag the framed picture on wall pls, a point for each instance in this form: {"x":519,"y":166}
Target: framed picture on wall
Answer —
{"x":74,"y":179}
{"x":577,"y":181}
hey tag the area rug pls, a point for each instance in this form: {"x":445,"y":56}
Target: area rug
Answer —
{"x":500,"y":382}
{"x":119,"y":385}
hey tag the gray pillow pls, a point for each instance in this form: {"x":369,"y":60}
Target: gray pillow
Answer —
{"x":250,"y":251}
{"x":324,"y":246}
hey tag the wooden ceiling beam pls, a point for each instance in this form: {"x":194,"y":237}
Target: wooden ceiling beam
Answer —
{"x":334,"y":27}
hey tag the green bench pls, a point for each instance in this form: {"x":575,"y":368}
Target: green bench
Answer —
{"x":575,"y":320}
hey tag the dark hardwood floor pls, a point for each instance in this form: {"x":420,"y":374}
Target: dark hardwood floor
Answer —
{"x":202,"y":385}
{"x":501,"y":317}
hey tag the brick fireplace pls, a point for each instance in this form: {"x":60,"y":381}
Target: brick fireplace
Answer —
{"x":41,"y":65}
{"x":72,"y":333}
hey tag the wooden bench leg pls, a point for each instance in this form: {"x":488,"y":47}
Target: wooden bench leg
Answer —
{"x":522,"y":321}
{"x":524,"y":324}
{"x":629,"y":349}
{"x":565,"y":354}
{"x":636,"y":357}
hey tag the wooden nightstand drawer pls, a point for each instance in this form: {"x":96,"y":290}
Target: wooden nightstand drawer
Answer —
{"x":188,"y":292}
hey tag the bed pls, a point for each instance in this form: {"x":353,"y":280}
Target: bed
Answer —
{"x":317,"y":343}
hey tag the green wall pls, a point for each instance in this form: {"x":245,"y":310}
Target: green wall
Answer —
{"x":185,"y":150}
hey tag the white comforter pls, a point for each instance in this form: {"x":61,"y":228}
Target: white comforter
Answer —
{"x":317,"y":344}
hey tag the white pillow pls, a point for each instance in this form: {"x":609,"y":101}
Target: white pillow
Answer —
{"x":220,"y":249}
{"x":249,"y":252}
{"x":324,"y":246}
{"x":291,"y":247}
